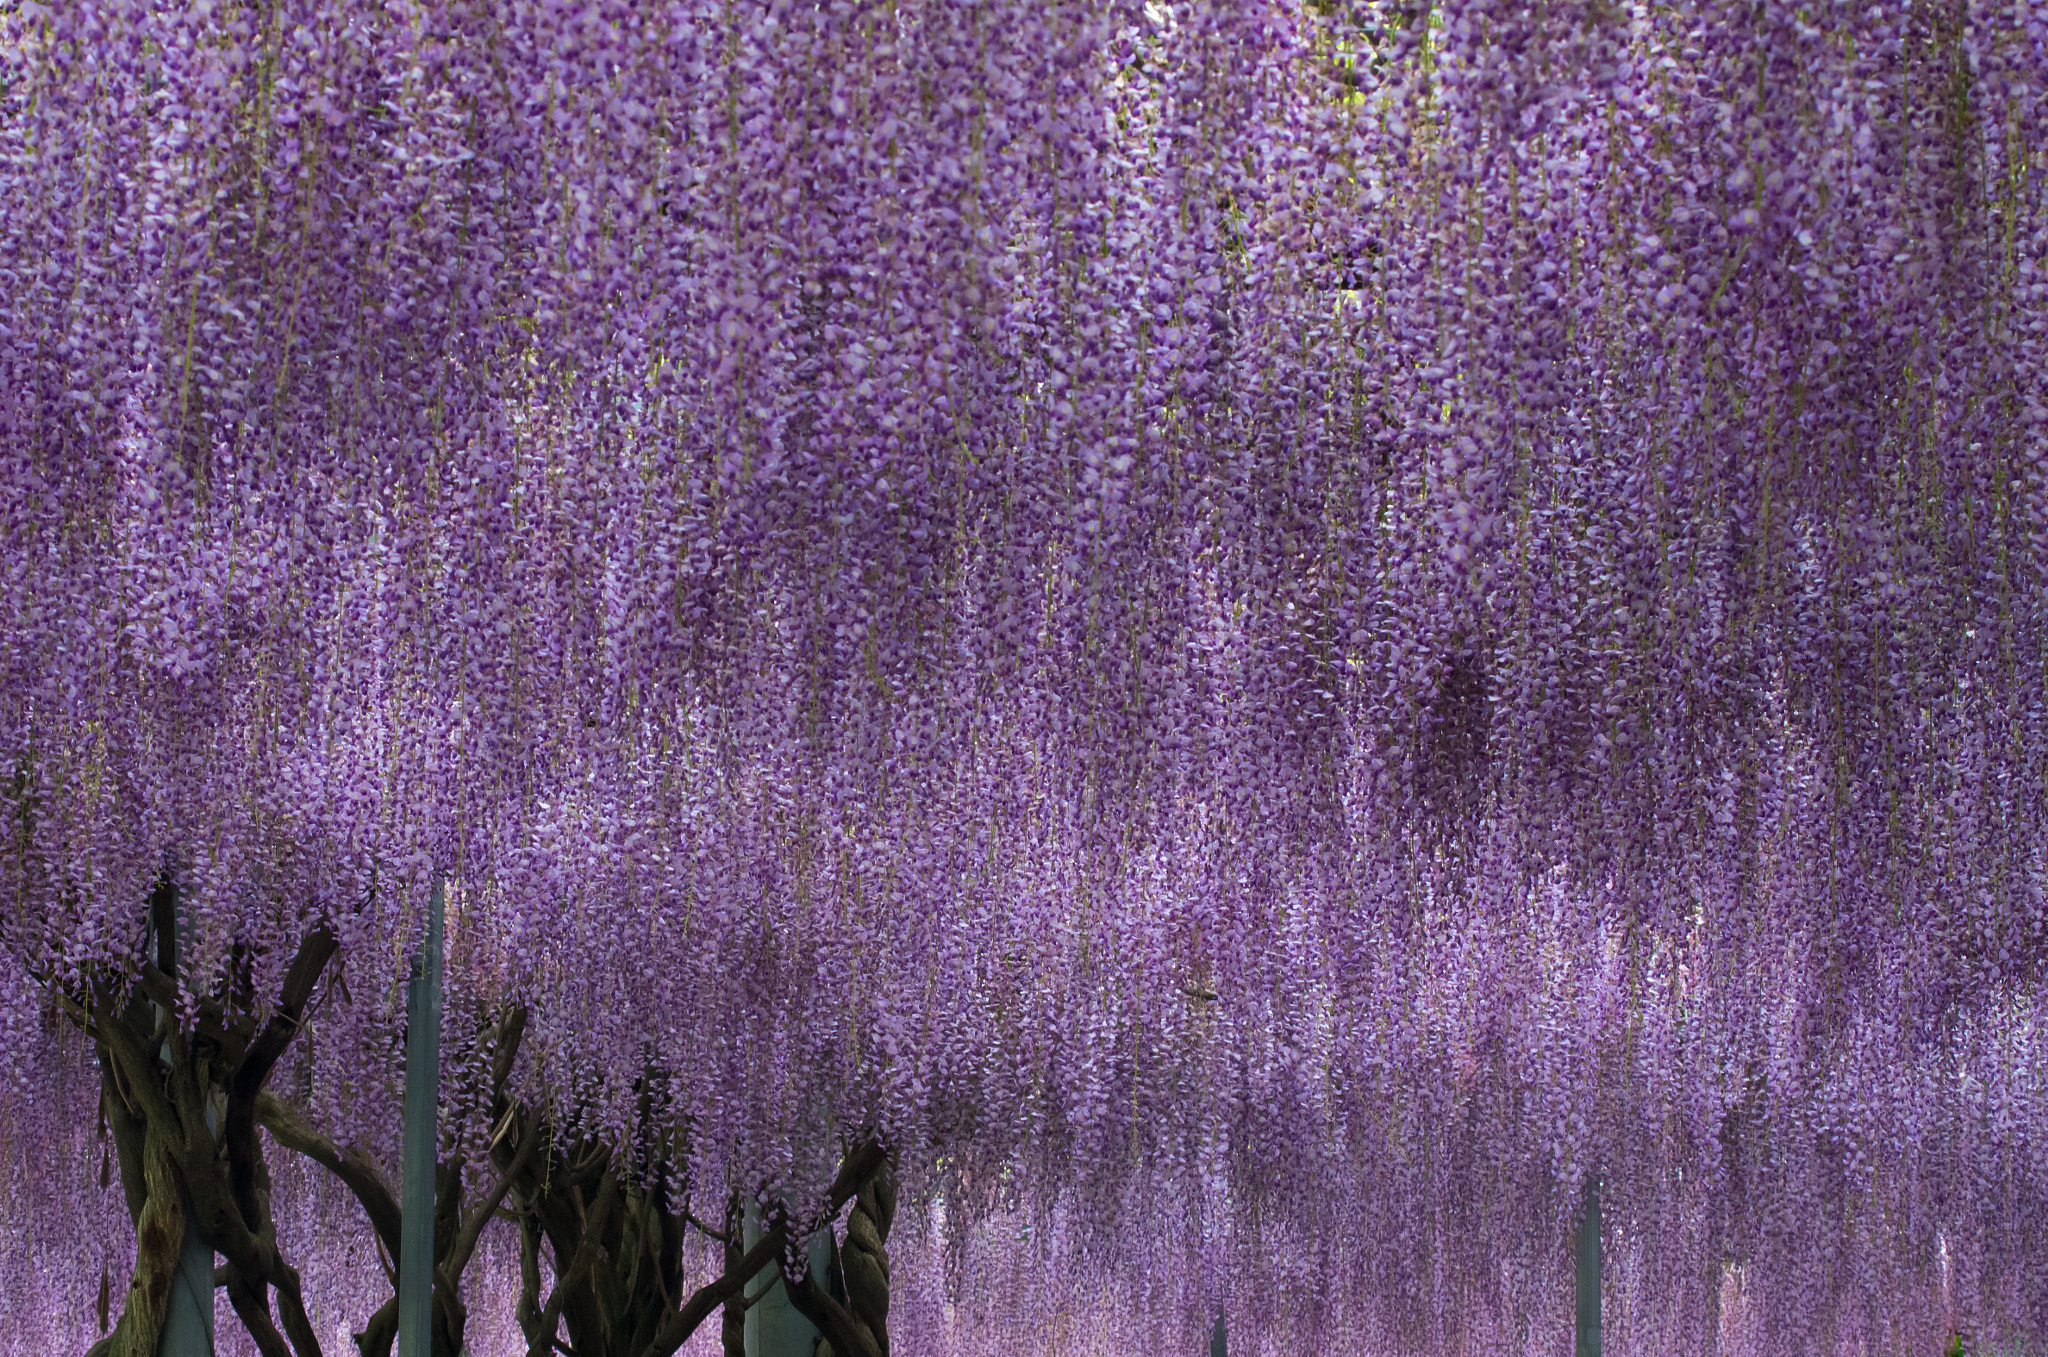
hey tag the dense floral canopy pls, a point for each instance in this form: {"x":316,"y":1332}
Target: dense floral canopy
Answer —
{"x":1266,"y":632}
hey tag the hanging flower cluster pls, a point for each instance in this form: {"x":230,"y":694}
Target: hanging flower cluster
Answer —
{"x":1263,"y":633}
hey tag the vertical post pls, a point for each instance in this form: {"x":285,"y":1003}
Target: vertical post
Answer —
{"x":188,"y":1320}
{"x":774,"y":1327}
{"x":1218,"y":1346}
{"x":1588,"y":1278}
{"x":420,"y":1142}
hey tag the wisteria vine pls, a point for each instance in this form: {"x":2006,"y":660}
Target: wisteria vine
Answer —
{"x":1263,"y":633}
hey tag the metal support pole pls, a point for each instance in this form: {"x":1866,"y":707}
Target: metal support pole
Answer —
{"x":188,"y":1320}
{"x":1218,"y":1346}
{"x":774,"y":1327}
{"x":1588,"y":1278}
{"x":420,"y":1142}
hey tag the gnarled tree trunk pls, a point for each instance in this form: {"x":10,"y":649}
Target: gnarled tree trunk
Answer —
{"x":149,"y":1179}
{"x":180,"y":1097}
{"x":617,"y":1239}
{"x":458,"y":1225}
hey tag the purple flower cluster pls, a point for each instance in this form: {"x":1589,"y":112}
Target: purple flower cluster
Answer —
{"x":1265,"y":632}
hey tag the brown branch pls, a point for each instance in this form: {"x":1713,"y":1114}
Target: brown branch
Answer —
{"x":719,"y":1235}
{"x":289,"y":1126}
{"x":158,"y":1235}
{"x":680,"y":1324}
{"x":226,"y":1196}
{"x":291,"y":1307}
{"x":159,"y":988}
{"x":380,"y":1331}
{"x":849,"y":1337}
{"x":127,"y":1128}
{"x":215,"y":1212}
{"x":249,"y":1181}
{"x":592,"y":1162}
{"x":473,"y":1229}
{"x":527,"y":1309}
{"x":163,"y":921}
{"x":167,"y":1039}
{"x":252,"y":1303}
{"x":136,"y":1068}
{"x":511,"y":1032}
{"x":253,"y":1070}
{"x":582,"y":1261}
{"x":510,"y":1035}
{"x":677,"y":1327}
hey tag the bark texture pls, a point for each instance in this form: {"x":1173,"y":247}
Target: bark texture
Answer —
{"x":180,"y":1084}
{"x":159,"y":1236}
{"x":864,"y":1263}
{"x":858,"y":1327}
{"x":458,"y":1223}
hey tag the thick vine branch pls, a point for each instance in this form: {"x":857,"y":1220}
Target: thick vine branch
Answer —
{"x":362,"y":1178}
{"x":681,"y":1323}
